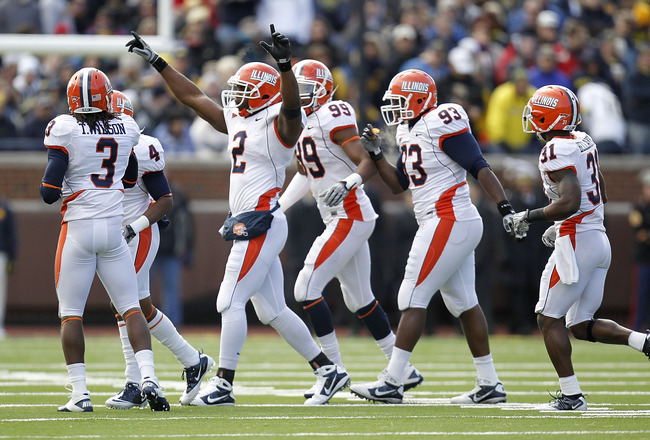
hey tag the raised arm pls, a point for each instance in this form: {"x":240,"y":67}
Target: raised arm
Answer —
{"x":182,"y":87}
{"x":289,"y":120}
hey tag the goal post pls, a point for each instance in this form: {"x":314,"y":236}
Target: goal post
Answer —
{"x":101,"y":45}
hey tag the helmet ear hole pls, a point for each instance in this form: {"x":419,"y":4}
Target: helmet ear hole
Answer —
{"x":542,"y":120}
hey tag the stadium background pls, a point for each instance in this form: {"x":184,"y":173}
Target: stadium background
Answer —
{"x":32,"y":299}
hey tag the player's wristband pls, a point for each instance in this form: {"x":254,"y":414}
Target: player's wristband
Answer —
{"x":505,"y":208}
{"x":284,"y":65}
{"x":291,"y":113}
{"x":376,"y":156}
{"x":140,"y":224}
{"x":159,"y":64}
{"x":352,"y":181}
{"x":536,"y":215}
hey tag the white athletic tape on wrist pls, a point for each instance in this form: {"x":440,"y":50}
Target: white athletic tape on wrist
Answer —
{"x":352,"y":181}
{"x":140,"y":224}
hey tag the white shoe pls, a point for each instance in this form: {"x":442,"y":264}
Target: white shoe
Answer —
{"x":329,"y":380}
{"x":482,"y":393}
{"x":77,"y":404}
{"x":218,"y":392}
{"x":386,"y":389}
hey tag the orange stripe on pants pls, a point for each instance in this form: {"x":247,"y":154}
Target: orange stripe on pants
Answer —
{"x":59,"y":251}
{"x":440,"y":238}
{"x":342,"y":230}
{"x":144,"y":245}
{"x":252,"y":251}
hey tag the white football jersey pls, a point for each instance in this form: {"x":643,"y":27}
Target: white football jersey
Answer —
{"x":327,"y":163}
{"x":577,"y":152}
{"x":258,"y":159}
{"x":151,"y":157}
{"x":438,"y":184}
{"x":92,"y":185}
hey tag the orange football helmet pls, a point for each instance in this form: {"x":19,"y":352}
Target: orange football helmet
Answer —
{"x":121,"y":103}
{"x":253,"y":87}
{"x":410,"y":93}
{"x":551,"y":108}
{"x":315,"y":83}
{"x":89,"y":91}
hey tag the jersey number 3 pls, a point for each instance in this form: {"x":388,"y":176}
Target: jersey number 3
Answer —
{"x":108,"y":163}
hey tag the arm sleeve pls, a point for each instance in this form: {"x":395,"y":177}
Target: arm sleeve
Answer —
{"x":131,"y":174}
{"x":464,"y":150}
{"x":57,"y":164}
{"x":296,"y":190}
{"x":400,"y":171}
{"x":156,"y":184}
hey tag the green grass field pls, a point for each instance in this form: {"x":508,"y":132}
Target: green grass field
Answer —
{"x":272,"y":377}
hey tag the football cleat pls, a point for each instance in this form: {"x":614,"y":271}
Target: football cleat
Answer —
{"x":482,"y":393}
{"x":329,"y":380}
{"x":129,"y":397}
{"x":646,"y":344}
{"x":562,"y":402}
{"x":217,"y":393}
{"x":412,"y":378}
{"x":387,"y":389}
{"x":77,"y":404}
{"x":194,"y":375}
{"x":154,"y":395}
{"x":311,"y":391}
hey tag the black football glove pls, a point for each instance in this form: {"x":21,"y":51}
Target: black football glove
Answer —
{"x":140,"y":47}
{"x":280,"y":49}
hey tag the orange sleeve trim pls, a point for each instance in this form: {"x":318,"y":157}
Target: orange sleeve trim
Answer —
{"x":47,"y":185}
{"x":74,"y":318}
{"x":371,"y":310}
{"x":58,"y":147}
{"x":277,"y":133}
{"x":314,"y":303}
{"x":337,"y":129}
{"x":135,"y":311}
{"x":353,"y":138}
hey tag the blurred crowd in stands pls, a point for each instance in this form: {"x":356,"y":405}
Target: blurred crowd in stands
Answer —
{"x":488,"y":56}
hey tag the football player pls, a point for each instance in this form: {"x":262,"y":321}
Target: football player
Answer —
{"x":332,"y":163}
{"x":437,"y":150}
{"x":262,"y":116}
{"x":573,"y":281}
{"x":144,"y":205}
{"x":88,"y":153}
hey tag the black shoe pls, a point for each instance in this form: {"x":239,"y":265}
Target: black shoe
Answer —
{"x":194,"y":375}
{"x":154,"y":395}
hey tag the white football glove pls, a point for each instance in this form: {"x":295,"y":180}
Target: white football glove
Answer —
{"x":548,"y":238}
{"x":337,"y":192}
{"x":509,"y":224}
{"x":520,"y":225}
{"x":370,"y":140}
{"x":140,"y":47}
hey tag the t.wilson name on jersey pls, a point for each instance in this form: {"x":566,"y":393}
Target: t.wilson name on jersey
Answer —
{"x":117,"y":128}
